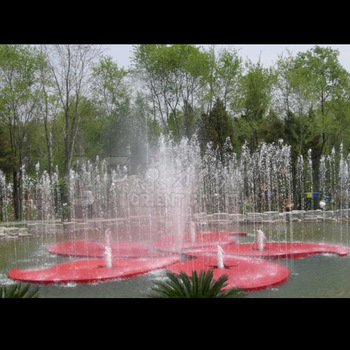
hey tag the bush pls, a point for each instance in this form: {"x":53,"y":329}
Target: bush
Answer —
{"x":202,"y":286}
{"x":19,"y":290}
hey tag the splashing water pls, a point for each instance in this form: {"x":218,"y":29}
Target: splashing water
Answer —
{"x":193,"y":232}
{"x":261,"y":238}
{"x":108,"y":249}
{"x":220,"y":257}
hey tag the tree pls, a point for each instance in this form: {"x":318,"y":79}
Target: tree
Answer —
{"x":48,"y":108}
{"x":216,"y":127}
{"x":222,"y":78}
{"x":70,"y":66}
{"x":256,"y":93}
{"x":272,"y":128}
{"x":20,"y":90}
{"x":112,"y":98}
{"x":189,"y":120}
{"x":326,"y":84}
{"x":5,"y":151}
{"x":172,"y":74}
{"x":109,"y":87}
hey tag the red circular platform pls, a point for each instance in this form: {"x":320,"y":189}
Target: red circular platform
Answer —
{"x":94,"y":249}
{"x":275,"y":250}
{"x":245,"y":273}
{"x":179,"y":243}
{"x":92,"y":271}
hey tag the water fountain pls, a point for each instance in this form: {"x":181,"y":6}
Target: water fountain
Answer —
{"x":182,"y":211}
{"x":261,"y":240}
{"x":108,"y":250}
{"x":220,"y":257}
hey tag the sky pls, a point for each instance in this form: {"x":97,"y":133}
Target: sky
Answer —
{"x":268,"y":53}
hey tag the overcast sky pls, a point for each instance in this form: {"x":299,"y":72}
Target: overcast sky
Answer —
{"x":268,"y":53}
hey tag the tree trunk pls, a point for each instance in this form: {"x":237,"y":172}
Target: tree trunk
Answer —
{"x":16,"y":195}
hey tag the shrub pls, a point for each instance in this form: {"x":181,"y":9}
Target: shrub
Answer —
{"x":202,"y":286}
{"x":19,"y":290}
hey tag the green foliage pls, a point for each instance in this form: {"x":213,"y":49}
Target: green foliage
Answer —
{"x":19,"y":95}
{"x":216,"y":127}
{"x":172,"y":74}
{"x":272,"y":128}
{"x":189,"y":120}
{"x":6,"y":160}
{"x":19,"y":290}
{"x":202,"y":286}
{"x":255,"y":100}
{"x":257,"y":88}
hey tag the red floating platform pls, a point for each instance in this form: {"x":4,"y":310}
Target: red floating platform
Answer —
{"x":91,"y":248}
{"x":275,"y":250}
{"x":245,"y":273}
{"x":92,"y":271}
{"x":181,"y":243}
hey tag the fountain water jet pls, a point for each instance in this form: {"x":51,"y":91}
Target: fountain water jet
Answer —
{"x":220,"y":255}
{"x":245,"y":273}
{"x":277,"y":250}
{"x":108,"y":249}
{"x":261,"y":239}
{"x":193,"y":232}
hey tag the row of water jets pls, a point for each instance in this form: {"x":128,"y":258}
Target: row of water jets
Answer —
{"x":177,"y":178}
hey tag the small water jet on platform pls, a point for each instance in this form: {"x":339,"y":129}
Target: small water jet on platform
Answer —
{"x":108,"y":249}
{"x":261,"y":240}
{"x":220,"y":256}
{"x":277,"y":250}
{"x":245,"y":273}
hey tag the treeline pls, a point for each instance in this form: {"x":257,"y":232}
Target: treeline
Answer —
{"x":61,"y":103}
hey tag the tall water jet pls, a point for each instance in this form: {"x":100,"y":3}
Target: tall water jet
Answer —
{"x":193,"y":231}
{"x":220,"y":257}
{"x":108,"y":249}
{"x":261,"y":239}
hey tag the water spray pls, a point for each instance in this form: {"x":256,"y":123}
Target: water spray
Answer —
{"x":261,"y":238}
{"x":108,"y":249}
{"x":193,"y":232}
{"x":220,"y":258}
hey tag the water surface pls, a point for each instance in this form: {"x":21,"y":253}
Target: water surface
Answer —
{"x":319,"y":276}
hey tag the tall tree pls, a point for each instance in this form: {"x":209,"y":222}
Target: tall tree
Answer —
{"x":172,"y":74}
{"x":222,"y":78}
{"x":326,"y":83}
{"x":48,"y":109}
{"x":110,"y":93}
{"x":71,"y":70}
{"x":255,"y":101}
{"x":19,"y":99}
{"x":216,"y":128}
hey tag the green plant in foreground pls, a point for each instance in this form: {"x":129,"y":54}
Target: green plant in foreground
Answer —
{"x":202,"y":286}
{"x":19,"y":290}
